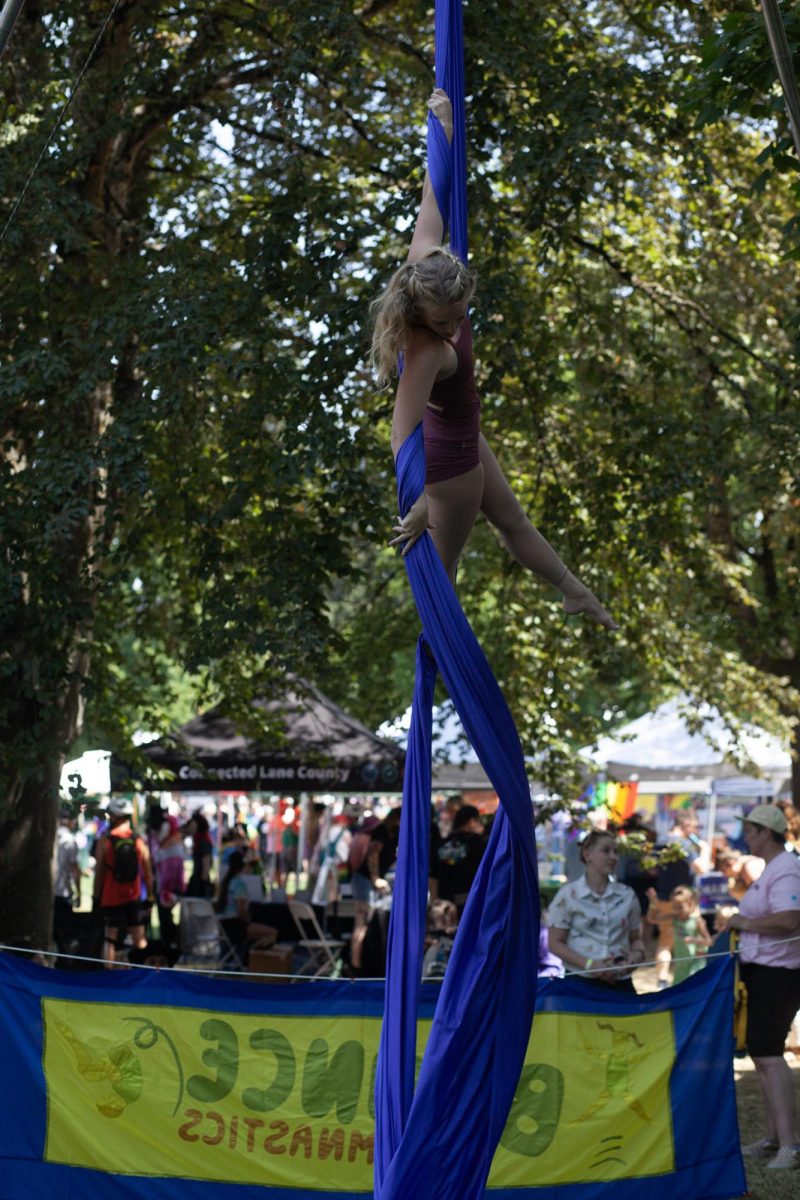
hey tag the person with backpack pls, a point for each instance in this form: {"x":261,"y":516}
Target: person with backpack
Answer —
{"x":123,"y":869}
{"x":334,"y":859}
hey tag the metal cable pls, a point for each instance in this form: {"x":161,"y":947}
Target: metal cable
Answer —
{"x":59,"y":119}
{"x":183,"y":968}
{"x":685,"y":957}
{"x":8,"y":15}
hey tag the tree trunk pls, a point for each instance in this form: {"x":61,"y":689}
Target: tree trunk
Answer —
{"x":27,"y":836}
{"x":49,"y":713}
{"x":45,"y":687}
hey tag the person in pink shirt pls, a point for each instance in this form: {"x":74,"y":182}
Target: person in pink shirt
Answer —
{"x":769,"y":923}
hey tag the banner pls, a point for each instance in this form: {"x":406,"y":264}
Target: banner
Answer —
{"x":132,"y":1084}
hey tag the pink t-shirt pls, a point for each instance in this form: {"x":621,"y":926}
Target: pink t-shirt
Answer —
{"x":777,"y":890}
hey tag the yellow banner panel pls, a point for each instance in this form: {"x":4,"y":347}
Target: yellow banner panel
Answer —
{"x":287,"y":1101}
{"x":592,"y":1104}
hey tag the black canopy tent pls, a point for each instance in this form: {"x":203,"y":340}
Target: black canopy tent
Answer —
{"x":319,"y":748}
{"x":322,"y":749}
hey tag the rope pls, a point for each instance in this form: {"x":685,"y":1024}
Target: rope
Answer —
{"x":58,"y":121}
{"x":653,"y":962}
{"x":184,"y":969}
{"x":361,"y":979}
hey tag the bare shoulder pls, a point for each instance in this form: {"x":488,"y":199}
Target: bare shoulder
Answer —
{"x":425,"y":343}
{"x":425,"y":355}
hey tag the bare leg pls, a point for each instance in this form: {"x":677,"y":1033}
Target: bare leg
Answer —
{"x":453,"y":506}
{"x":360,"y":919}
{"x":524,"y":542}
{"x":777,"y":1089}
{"x":138,"y":936}
{"x":110,"y":945}
{"x":666,"y":943}
{"x":664,"y":959}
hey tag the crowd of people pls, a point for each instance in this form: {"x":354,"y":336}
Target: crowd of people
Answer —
{"x":138,"y":876}
{"x":616,"y":910}
{"x":596,"y":926}
{"x":139,"y":873}
{"x":349,"y":853}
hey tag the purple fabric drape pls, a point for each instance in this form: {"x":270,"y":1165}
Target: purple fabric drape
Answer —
{"x":438,"y":1141}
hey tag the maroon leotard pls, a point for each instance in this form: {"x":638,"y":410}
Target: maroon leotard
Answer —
{"x":451,"y":435}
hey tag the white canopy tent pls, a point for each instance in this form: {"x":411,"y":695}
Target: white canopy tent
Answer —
{"x":455,"y":763}
{"x":456,"y":766}
{"x":661,"y":743}
{"x":90,"y":772}
{"x":450,"y":742}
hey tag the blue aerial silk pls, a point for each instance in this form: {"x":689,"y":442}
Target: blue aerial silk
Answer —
{"x":438,"y":1140}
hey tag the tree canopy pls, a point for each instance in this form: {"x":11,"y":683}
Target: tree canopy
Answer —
{"x":196,"y":473}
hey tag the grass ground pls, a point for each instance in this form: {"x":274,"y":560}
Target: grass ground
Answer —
{"x":763,"y":1184}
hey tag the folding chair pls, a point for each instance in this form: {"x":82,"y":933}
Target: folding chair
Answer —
{"x":323,"y":952}
{"x":340,"y":919}
{"x":345,"y":908}
{"x":203,"y":938}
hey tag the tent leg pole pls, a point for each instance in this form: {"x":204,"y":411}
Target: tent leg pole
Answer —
{"x":301,"y":836}
{"x":218,"y":839}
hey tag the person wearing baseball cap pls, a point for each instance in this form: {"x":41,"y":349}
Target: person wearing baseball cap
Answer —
{"x":769,"y":923}
{"x":769,"y":816}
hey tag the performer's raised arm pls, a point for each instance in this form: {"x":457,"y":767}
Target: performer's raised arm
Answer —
{"x":430,"y":225}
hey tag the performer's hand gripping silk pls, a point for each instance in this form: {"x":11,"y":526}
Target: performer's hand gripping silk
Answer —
{"x":423,"y":313}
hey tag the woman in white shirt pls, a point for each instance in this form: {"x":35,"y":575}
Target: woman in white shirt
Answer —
{"x":769,"y":961}
{"x":596,"y":923}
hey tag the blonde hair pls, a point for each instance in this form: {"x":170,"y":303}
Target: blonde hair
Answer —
{"x":437,"y":278}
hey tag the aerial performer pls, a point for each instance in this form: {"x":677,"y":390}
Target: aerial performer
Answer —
{"x":423,"y":315}
{"x":436,"y":1132}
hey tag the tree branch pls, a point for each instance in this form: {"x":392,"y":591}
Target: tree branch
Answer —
{"x":665,"y":298}
{"x":397,"y":43}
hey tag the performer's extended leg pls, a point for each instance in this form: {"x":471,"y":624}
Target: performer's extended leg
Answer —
{"x":524,"y":542}
{"x":453,"y":505}
{"x":522,"y":539}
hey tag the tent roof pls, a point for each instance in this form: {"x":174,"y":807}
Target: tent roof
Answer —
{"x":320,"y":748}
{"x":661,"y":742}
{"x":449,"y":743}
{"x":455,"y":764}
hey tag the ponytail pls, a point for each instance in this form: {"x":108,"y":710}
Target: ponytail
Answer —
{"x":437,"y":278}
